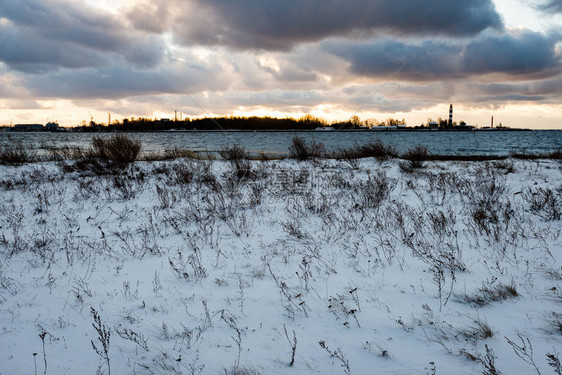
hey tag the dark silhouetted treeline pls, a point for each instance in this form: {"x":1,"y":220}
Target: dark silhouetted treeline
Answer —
{"x":220,"y":123}
{"x":307,"y":122}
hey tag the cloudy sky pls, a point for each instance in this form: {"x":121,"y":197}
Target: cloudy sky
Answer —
{"x":67,"y":60}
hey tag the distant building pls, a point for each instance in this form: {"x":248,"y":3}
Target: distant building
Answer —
{"x":433,"y":125}
{"x":28,"y":127}
{"x":52,"y":126}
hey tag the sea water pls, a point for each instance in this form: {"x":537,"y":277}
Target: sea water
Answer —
{"x":277,"y":143}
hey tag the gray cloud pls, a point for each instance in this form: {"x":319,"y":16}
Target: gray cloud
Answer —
{"x":39,"y":36}
{"x":521,"y":53}
{"x":518,"y":54}
{"x":23,"y":104}
{"x":529,"y":89}
{"x":281,"y":24}
{"x":30,"y":52}
{"x":119,"y":80}
{"x":423,"y":62}
{"x":64,"y":20}
{"x":551,"y":6}
{"x":285,"y":55}
{"x":153,"y":18}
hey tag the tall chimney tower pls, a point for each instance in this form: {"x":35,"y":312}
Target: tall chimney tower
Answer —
{"x":451,"y":115}
{"x":492,"y":121}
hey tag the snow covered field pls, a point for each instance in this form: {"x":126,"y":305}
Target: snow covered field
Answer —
{"x":214,"y":267}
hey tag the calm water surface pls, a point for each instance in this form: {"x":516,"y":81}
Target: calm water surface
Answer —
{"x":443,"y":143}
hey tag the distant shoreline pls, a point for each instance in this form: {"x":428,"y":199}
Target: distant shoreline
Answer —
{"x":282,"y":130}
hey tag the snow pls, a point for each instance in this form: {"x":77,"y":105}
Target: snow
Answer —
{"x":194,"y":269}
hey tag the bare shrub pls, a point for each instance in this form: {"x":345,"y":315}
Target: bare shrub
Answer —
{"x":504,"y":165}
{"x":488,"y":293}
{"x":554,"y":362}
{"x":239,"y":161}
{"x":375,"y":149}
{"x":231,"y":321}
{"x":129,"y":334}
{"x":555,"y":155}
{"x":338,"y":354}
{"x":373,"y":192}
{"x":293,"y":344}
{"x":235,"y":152}
{"x":440,"y":251}
{"x":554,"y":323}
{"x":378,"y":150}
{"x":349,"y":156}
{"x":301,"y":150}
{"x":488,"y":362}
{"x":17,"y":154}
{"x":166,"y":197}
{"x":86,"y":165}
{"x":104,"y":333}
{"x":124,"y":186}
{"x":108,"y":155}
{"x":524,"y":350}
{"x":119,"y":149}
{"x":488,"y":209}
{"x":478,"y":331}
{"x":414,"y":159}
{"x":545,"y":202}
{"x":64,"y":152}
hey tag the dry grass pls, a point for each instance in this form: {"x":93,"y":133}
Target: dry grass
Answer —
{"x":488,"y":294}
{"x":119,"y":148}
{"x":414,"y":159}
{"x":17,"y":154}
{"x":302,"y":150}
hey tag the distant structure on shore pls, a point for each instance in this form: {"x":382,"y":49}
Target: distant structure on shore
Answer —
{"x":239,"y":123}
{"x":50,"y":126}
{"x":28,"y":127}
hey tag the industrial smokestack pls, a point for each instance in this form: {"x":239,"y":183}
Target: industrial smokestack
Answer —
{"x":451,"y":115}
{"x":492,"y":121}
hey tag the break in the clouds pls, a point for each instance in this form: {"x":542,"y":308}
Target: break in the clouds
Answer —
{"x":279,"y":25}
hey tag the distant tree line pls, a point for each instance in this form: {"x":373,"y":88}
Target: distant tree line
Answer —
{"x":306,"y":122}
{"x":218,"y":123}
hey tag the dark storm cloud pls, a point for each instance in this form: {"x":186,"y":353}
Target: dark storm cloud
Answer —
{"x":519,"y":54}
{"x":66,"y":21}
{"x":424,"y":62}
{"x":523,"y":53}
{"x":38,"y":35}
{"x":26,"y":51}
{"x":280,"y":24}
